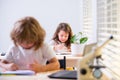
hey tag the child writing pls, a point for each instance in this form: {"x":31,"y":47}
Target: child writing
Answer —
{"x":61,"y":39}
{"x":29,"y":50}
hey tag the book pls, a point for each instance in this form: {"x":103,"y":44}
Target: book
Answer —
{"x":63,"y":53}
{"x":18,"y":72}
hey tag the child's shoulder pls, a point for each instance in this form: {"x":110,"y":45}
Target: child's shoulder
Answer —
{"x":44,"y":45}
{"x":53,"y":42}
{"x":13,"y":46}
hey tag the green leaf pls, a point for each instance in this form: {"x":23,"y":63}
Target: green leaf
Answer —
{"x":83,"y":40}
{"x":78,"y":38}
{"x":73,"y":39}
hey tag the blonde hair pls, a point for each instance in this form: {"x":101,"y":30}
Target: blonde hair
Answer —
{"x":28,"y":29}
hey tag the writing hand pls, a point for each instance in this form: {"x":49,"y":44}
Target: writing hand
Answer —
{"x":35,"y":67}
{"x":60,"y":47}
{"x":11,"y":66}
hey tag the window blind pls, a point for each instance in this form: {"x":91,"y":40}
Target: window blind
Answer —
{"x":108,"y":23}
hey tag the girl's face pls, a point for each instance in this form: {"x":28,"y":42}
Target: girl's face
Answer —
{"x":26,"y":45}
{"x":63,"y":36}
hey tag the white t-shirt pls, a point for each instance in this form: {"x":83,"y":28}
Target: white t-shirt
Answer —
{"x":23,"y":57}
{"x":52,"y":43}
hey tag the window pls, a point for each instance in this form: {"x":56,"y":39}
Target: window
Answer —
{"x":111,"y":52}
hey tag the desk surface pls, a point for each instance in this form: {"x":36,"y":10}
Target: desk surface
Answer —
{"x":71,"y":61}
{"x":68,"y":57}
{"x":39,"y":76}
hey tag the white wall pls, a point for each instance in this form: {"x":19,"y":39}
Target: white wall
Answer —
{"x":48,"y":12}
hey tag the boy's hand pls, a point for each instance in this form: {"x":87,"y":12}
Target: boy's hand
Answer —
{"x":36,"y":67}
{"x":11,"y":67}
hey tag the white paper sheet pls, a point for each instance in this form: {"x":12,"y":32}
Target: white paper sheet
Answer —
{"x":18,"y":72}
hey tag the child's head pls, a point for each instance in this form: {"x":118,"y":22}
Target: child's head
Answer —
{"x":27,"y":32}
{"x":63,"y":33}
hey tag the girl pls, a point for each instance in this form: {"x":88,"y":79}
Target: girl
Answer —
{"x":29,"y":50}
{"x":61,"y":39}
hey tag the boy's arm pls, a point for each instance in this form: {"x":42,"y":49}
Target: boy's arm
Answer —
{"x":53,"y":65}
{"x":8,"y":66}
{"x":3,"y":63}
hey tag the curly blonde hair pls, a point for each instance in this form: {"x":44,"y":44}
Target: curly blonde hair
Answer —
{"x":28,"y":30}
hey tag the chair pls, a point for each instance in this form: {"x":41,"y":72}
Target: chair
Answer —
{"x":88,"y":48}
{"x":62,"y":63}
{"x":2,"y":54}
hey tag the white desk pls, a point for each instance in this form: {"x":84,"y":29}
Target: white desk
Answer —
{"x":71,"y":61}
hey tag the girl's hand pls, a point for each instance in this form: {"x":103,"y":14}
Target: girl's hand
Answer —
{"x":11,"y":67}
{"x":60,"y":47}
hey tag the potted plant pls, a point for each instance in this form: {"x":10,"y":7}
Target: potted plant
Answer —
{"x":77,"y":43}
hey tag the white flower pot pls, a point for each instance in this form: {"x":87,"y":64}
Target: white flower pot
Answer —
{"x":77,"y":49}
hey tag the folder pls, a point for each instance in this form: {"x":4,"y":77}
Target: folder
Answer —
{"x":64,"y":74}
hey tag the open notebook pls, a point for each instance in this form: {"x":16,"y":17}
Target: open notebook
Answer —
{"x":64,"y":74}
{"x":18,"y":72}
